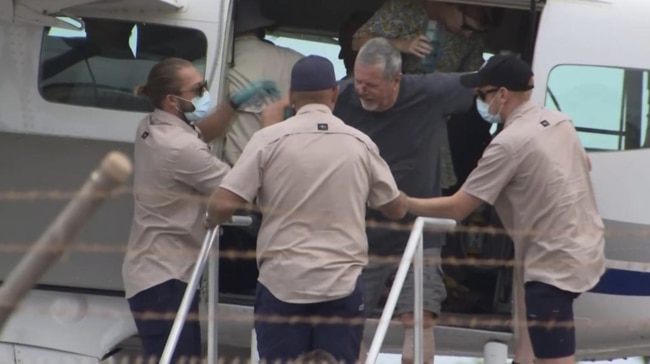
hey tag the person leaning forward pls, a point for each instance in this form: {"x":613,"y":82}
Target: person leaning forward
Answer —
{"x":313,"y":177}
{"x":536,"y":174}
{"x":406,"y":116}
{"x":174,"y":171}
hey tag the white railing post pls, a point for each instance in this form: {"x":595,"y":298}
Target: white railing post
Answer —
{"x":188,"y":296}
{"x":255,"y":355}
{"x":213,"y":300}
{"x":391,"y":302}
{"x":412,"y":253}
{"x":190,"y":291}
{"x":418,"y":315}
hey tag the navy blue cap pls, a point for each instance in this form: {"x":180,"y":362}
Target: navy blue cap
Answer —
{"x":313,"y":73}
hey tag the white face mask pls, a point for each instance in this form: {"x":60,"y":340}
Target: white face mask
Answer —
{"x":201,"y":107}
{"x":484,"y":110}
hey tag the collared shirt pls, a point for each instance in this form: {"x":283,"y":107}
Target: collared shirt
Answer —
{"x":535,"y":173}
{"x":174,"y":173}
{"x":255,"y":60}
{"x":313,"y":177}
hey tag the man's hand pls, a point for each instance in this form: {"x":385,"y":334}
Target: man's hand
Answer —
{"x":275,"y":112}
{"x":253,"y":92}
{"x":208,"y":222}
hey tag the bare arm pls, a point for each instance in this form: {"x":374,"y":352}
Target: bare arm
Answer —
{"x":456,"y":207}
{"x":222,"y":205}
{"x":275,"y":112}
{"x":396,"y":209}
{"x":214,"y":125}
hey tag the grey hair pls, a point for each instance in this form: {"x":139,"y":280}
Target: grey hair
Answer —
{"x":379,"y":51}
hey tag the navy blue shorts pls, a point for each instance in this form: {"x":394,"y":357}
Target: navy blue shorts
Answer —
{"x":165,"y":298}
{"x":551,"y":328}
{"x":284,"y":341}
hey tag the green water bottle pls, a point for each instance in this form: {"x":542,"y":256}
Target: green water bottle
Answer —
{"x":433,"y":34}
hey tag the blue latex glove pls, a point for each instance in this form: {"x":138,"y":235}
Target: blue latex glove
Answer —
{"x":253,"y":92}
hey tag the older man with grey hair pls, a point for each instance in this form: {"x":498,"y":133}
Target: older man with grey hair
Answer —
{"x":405,"y":115}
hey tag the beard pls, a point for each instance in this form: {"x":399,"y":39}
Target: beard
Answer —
{"x":186,"y":106}
{"x":369,"y":106}
{"x":182,"y":108}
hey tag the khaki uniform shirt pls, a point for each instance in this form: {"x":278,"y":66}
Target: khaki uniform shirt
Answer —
{"x":255,"y":60}
{"x":174,"y":173}
{"x":313,"y":177}
{"x":536,"y":175}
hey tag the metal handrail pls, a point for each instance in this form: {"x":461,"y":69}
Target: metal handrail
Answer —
{"x":190,"y":291}
{"x":412,"y":253}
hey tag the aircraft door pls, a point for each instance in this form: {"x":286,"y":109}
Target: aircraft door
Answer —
{"x":588,"y":64}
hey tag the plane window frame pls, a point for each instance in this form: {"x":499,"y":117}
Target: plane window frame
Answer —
{"x":115,"y":98}
{"x":623,"y":132}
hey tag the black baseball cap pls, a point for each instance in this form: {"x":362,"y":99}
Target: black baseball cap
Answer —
{"x":313,"y":73}
{"x":506,"y":71}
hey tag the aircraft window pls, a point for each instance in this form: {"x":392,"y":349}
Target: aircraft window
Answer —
{"x":608,"y":105}
{"x":101,"y":65}
{"x":328,"y":49}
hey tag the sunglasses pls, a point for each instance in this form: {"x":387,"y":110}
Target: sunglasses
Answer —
{"x":199,"y":88}
{"x":482,"y":94}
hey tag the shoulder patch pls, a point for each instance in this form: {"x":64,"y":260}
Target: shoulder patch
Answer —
{"x":544,"y":123}
{"x":322,"y":126}
{"x":144,"y":135}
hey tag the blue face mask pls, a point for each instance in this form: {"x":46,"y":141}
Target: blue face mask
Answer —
{"x":201,"y":107}
{"x":484,"y":110}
